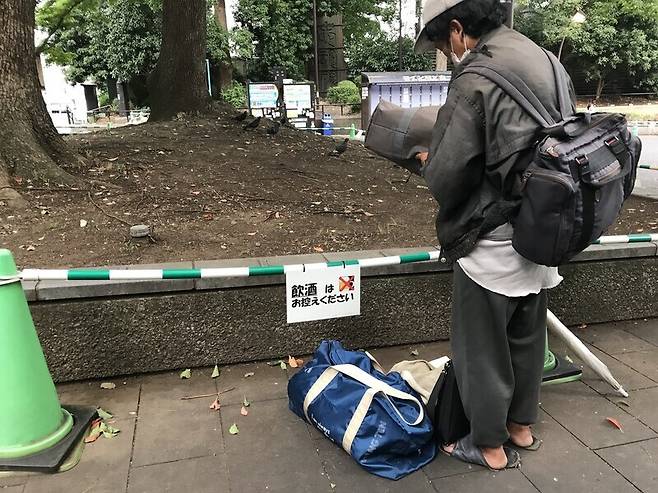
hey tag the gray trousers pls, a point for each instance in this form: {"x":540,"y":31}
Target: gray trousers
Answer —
{"x":498,"y":353}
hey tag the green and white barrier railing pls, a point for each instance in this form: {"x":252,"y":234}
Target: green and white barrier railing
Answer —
{"x":611,"y":240}
{"x":215,"y":273}
{"x":255,"y":271}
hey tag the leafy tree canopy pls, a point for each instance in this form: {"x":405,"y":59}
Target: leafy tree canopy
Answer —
{"x":282,"y":29}
{"x":617,"y":35}
{"x":106,"y":38}
{"x":379,"y":53}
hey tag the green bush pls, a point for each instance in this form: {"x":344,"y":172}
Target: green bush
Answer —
{"x":236,"y":95}
{"x":345,"y":92}
{"x":103,"y":99}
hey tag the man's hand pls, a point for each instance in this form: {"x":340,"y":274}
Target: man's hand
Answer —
{"x":422,"y":157}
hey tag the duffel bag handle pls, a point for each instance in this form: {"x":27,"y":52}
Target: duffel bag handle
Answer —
{"x":374,"y":386}
{"x":369,"y":381}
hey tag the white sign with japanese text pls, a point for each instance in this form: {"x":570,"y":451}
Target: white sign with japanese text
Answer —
{"x":321,"y":294}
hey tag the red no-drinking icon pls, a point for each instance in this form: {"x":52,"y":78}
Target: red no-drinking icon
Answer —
{"x":346,"y":283}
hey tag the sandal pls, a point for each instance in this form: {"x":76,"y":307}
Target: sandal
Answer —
{"x":533,"y":447}
{"x":466,"y":451}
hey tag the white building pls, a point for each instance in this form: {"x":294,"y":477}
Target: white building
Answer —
{"x":66,"y":102}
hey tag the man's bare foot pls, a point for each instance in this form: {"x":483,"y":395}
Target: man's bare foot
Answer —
{"x":521,"y":435}
{"x":495,"y":457}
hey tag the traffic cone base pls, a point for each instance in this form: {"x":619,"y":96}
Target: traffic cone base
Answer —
{"x":563,"y":372}
{"x":21,"y":450}
{"x":558,"y":370}
{"x":62,"y":453}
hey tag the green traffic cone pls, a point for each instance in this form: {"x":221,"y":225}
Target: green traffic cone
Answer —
{"x":549,"y":358}
{"x":558,"y":370}
{"x":31,"y":419}
{"x":32,"y":422}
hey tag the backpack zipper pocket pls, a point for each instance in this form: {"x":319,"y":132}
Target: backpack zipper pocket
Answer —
{"x":544,"y":225}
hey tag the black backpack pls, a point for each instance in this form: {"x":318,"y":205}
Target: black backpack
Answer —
{"x":446,"y":410}
{"x":583,"y":169}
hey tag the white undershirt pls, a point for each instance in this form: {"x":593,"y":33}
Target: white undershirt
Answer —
{"x":496,"y":266}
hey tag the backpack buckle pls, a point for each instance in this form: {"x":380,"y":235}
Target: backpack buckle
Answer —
{"x":583,"y":164}
{"x":616,"y":145}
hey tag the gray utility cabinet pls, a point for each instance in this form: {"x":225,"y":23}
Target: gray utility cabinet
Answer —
{"x":405,"y":89}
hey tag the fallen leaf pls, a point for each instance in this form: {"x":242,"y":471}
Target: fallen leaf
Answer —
{"x":186,"y":373}
{"x":83,"y":223}
{"x":103,"y":414}
{"x":244,"y":411}
{"x":283,"y":366}
{"x":109,"y":431}
{"x":94,"y":433}
{"x":615,"y":423}
{"x":245,"y":402}
{"x":250,"y":374}
{"x":368,"y":214}
{"x":233,"y":430}
{"x":318,"y":249}
{"x":274,"y":363}
{"x":215,"y":372}
{"x":108,"y":385}
{"x":414,"y":352}
{"x":215,"y":404}
{"x":292,"y":362}
{"x":31,"y":248}
{"x":624,"y":403}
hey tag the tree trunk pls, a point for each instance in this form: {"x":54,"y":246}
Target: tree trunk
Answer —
{"x":178,"y":83}
{"x":599,"y":88}
{"x":30,"y":147}
{"x":225,"y":69}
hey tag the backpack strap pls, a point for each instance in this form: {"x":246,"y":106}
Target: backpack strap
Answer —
{"x":564,"y":99}
{"x":516,"y":88}
{"x":571,"y":125}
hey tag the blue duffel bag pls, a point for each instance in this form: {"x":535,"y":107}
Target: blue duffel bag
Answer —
{"x":377,"y":418}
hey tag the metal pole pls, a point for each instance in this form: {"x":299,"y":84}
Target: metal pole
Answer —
{"x":209,"y":81}
{"x":559,"y":55}
{"x":400,"y":41}
{"x":315,"y":45}
{"x":509,"y":6}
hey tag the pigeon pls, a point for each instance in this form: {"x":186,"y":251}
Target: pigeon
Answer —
{"x":274,"y":129}
{"x":241,"y":117}
{"x":340,"y":148}
{"x":253,"y":123}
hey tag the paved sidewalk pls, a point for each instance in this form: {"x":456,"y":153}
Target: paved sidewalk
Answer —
{"x":171,"y":445}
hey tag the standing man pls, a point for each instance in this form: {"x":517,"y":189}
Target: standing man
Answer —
{"x":482,"y":142}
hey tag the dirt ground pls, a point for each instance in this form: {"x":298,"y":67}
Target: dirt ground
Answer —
{"x":211,"y":190}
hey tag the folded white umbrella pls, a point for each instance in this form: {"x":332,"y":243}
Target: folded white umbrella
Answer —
{"x":582,"y":352}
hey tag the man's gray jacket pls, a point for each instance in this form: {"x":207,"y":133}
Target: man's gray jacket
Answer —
{"x":483,"y":139}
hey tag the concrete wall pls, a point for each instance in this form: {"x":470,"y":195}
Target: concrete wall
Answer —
{"x":100,"y":329}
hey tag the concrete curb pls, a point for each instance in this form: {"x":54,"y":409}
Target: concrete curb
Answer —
{"x":95,"y":329}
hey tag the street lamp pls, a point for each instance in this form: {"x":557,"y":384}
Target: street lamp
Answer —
{"x":578,"y":18}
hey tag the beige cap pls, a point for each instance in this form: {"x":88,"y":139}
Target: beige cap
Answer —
{"x":431,"y":10}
